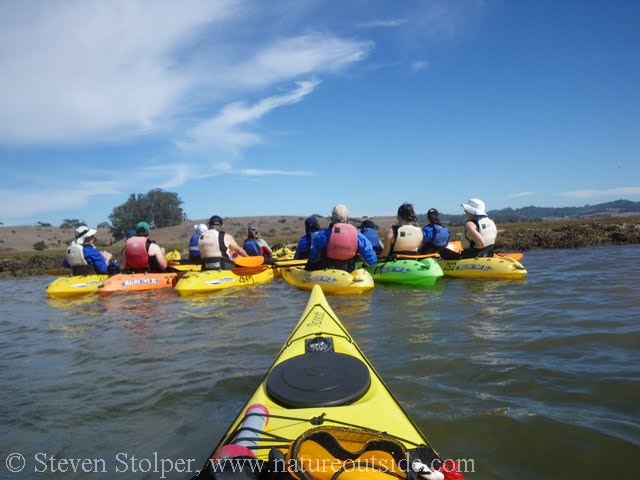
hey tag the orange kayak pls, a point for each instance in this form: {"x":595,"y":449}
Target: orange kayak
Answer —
{"x":138,"y":282}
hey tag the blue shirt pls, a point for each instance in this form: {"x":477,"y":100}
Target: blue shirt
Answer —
{"x":194,"y":252}
{"x":365,"y":249}
{"x":93,"y":257}
{"x":304,"y":246}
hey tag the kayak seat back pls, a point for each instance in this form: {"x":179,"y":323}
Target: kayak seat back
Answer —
{"x":328,"y":453}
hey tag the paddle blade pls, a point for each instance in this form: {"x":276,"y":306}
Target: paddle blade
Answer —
{"x":253,"y":261}
{"x":248,"y":271}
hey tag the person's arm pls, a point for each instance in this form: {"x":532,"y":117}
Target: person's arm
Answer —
{"x":365,"y":249}
{"x":156,"y":251}
{"x":94,"y":258}
{"x":301,"y":245}
{"x":232,"y":245}
{"x":388,"y":240}
{"x":473,"y":232}
{"x":264,"y":247}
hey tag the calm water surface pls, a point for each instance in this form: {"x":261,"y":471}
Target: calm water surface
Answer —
{"x":531,"y":379}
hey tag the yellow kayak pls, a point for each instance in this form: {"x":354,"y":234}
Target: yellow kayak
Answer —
{"x":73,"y":286}
{"x":331,"y":280}
{"x":320,"y":409}
{"x":483,"y":267}
{"x":213,"y":280}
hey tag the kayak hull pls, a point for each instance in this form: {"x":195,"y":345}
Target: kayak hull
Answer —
{"x":213,"y":280}
{"x":505,"y":268}
{"x":409,"y":272}
{"x":138,"y":282}
{"x":286,"y":416}
{"x":74,"y":286}
{"x":330,"y":280}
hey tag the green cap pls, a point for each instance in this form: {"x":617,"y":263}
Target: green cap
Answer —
{"x":142,"y":227}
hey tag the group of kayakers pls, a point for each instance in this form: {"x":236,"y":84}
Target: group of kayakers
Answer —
{"x":339,"y":245}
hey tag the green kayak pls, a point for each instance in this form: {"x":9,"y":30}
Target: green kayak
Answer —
{"x":406,"y":271}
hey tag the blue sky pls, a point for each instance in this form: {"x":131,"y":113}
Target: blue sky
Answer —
{"x":289,"y":107}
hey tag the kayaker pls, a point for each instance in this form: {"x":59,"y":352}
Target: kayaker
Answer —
{"x":339,"y":245}
{"x":479,"y":234}
{"x":194,"y":251}
{"x":436,"y":235}
{"x":405,"y":236}
{"x":480,"y":231}
{"x":370,"y":230}
{"x":84,"y":258}
{"x":142,"y":254}
{"x":217,"y":247}
{"x":255,"y":245}
{"x":311,"y":229}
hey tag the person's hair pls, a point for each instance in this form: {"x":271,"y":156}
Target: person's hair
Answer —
{"x":407,"y":213}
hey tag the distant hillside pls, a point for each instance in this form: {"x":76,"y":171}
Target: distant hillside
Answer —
{"x":618,"y":208}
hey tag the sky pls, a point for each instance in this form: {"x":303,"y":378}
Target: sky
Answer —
{"x":288,"y":107}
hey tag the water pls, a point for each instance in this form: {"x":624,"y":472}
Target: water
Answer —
{"x":529,"y":379}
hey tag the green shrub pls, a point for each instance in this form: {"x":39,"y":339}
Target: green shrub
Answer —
{"x":40,"y":245}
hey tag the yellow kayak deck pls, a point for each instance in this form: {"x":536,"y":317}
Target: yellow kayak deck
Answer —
{"x":320,"y":378}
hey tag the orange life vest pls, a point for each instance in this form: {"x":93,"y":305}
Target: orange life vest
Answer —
{"x":343,"y":242}
{"x":135,"y":251}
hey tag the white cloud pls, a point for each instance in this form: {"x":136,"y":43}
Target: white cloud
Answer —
{"x":520,"y":194}
{"x":419,"y":65}
{"x":80,"y":69}
{"x":622,"y":191}
{"x":227,"y":130}
{"x":391,"y":23}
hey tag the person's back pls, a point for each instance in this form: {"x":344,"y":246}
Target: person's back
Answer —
{"x":303,"y":249}
{"x":436,"y":235}
{"x":338,"y":246}
{"x":405,"y":236}
{"x":194,"y":251}
{"x":142,"y":254}
{"x":257,"y":246}
{"x":480,"y":231}
{"x":369,"y":230}
{"x":84,"y":258}
{"x":216,"y":247}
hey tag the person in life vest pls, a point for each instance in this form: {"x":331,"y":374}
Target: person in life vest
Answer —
{"x":194,"y":251}
{"x":217,"y":248}
{"x":142,"y":254}
{"x":311,"y":229}
{"x":479,"y":234}
{"x":255,"y":245}
{"x":84,"y":258}
{"x":340,"y":244}
{"x":480,"y":231}
{"x":370,"y":230}
{"x":436,"y":235}
{"x":405,"y":236}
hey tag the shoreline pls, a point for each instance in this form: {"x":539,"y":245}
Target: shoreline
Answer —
{"x":515,"y":237}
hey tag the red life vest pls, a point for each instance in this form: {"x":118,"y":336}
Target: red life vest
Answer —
{"x":343,"y":242}
{"x":135,"y":251}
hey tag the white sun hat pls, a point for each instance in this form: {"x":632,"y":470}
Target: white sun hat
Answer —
{"x":474,"y":206}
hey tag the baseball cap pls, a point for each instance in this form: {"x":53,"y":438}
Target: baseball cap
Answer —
{"x":215,"y":221}
{"x":142,"y":227}
{"x":254,"y":227}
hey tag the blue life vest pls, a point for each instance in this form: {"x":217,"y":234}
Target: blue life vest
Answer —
{"x":251,"y":247}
